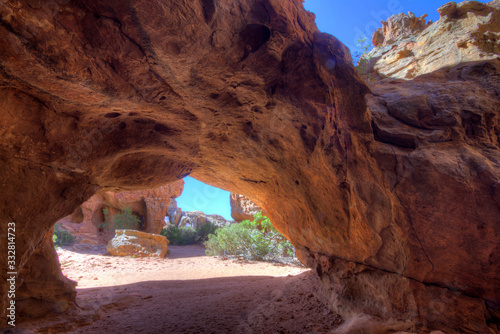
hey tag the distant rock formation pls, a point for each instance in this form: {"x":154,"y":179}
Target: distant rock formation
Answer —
{"x":150,"y":206}
{"x":197,"y":218}
{"x":406,"y":46}
{"x":243,"y":208}
{"x":174,"y":213}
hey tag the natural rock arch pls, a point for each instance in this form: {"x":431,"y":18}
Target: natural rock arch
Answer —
{"x":120,"y":95}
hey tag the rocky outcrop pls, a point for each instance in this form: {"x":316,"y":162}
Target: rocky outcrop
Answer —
{"x":391,"y":195}
{"x":150,"y":206}
{"x":137,"y":243}
{"x":243,"y":208}
{"x":196,"y":219}
{"x":41,"y":288}
{"x":406,"y":46}
{"x":398,"y":28}
{"x":174,"y":213}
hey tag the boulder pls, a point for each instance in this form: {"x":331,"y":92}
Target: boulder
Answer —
{"x":137,"y":243}
{"x":406,"y":46}
{"x":243,"y":208}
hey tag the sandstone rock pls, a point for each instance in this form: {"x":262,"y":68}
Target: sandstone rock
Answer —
{"x":398,"y":189}
{"x":137,"y":243}
{"x":406,"y":46}
{"x":149,"y":205}
{"x":399,"y":27}
{"x":243,"y":208}
{"x":174,"y":213}
{"x":41,"y":287}
{"x":196,"y":219}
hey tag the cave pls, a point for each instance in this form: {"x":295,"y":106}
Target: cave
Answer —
{"x":106,"y":95}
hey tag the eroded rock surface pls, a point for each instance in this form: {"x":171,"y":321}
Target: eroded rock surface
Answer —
{"x":395,"y":201}
{"x":137,"y":243}
{"x":174,"y":213}
{"x":406,"y":46}
{"x":243,"y":208}
{"x":197,"y":218}
{"x":150,"y":205}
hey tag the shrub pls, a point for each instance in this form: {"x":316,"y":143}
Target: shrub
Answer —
{"x":179,"y":236}
{"x":123,"y":220}
{"x":254,"y":240}
{"x":205,"y":230}
{"x":185,"y":235}
{"x":62,"y":237}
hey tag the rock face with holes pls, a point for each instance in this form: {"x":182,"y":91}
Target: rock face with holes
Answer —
{"x":392,"y":196}
{"x":243,"y":208}
{"x":137,"y":243}
{"x":406,"y":46}
{"x":150,"y":205}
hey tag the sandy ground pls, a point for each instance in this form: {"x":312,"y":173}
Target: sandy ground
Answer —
{"x":187,"y":292}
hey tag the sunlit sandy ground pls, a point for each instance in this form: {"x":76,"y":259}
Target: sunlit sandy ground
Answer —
{"x":186,"y":292}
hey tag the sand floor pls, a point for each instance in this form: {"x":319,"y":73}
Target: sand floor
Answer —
{"x":187,"y":292}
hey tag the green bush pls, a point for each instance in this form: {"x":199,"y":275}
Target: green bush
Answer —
{"x":125,"y":220}
{"x":179,"y":236}
{"x":205,"y":230}
{"x":185,"y":235}
{"x":254,"y":240}
{"x":62,"y":237}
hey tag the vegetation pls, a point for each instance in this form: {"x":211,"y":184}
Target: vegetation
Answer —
{"x":121,"y":221}
{"x":180,"y":236}
{"x":253,"y":240}
{"x":361,"y":59}
{"x":62,"y":237}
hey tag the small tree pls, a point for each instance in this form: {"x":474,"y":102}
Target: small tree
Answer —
{"x":122,"y":220}
{"x":62,"y":236}
{"x":126,"y":220}
{"x":361,"y":59}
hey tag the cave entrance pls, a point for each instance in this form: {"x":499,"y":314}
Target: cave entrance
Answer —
{"x":227,"y":294}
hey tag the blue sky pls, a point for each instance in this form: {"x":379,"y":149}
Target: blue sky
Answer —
{"x":345,"y":19}
{"x":348,"y":20}
{"x":198,"y":196}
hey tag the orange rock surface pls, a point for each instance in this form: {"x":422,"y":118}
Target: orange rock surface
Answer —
{"x":392,"y":195}
{"x":149,"y":204}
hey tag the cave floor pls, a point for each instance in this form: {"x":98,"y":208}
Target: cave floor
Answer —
{"x":187,"y":292}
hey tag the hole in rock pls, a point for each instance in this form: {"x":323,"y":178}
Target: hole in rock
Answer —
{"x":187,"y":288}
{"x":255,"y":35}
{"x":112,"y":115}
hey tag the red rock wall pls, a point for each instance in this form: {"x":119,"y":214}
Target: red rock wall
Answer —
{"x":151,"y":204}
{"x":393,"y":199}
